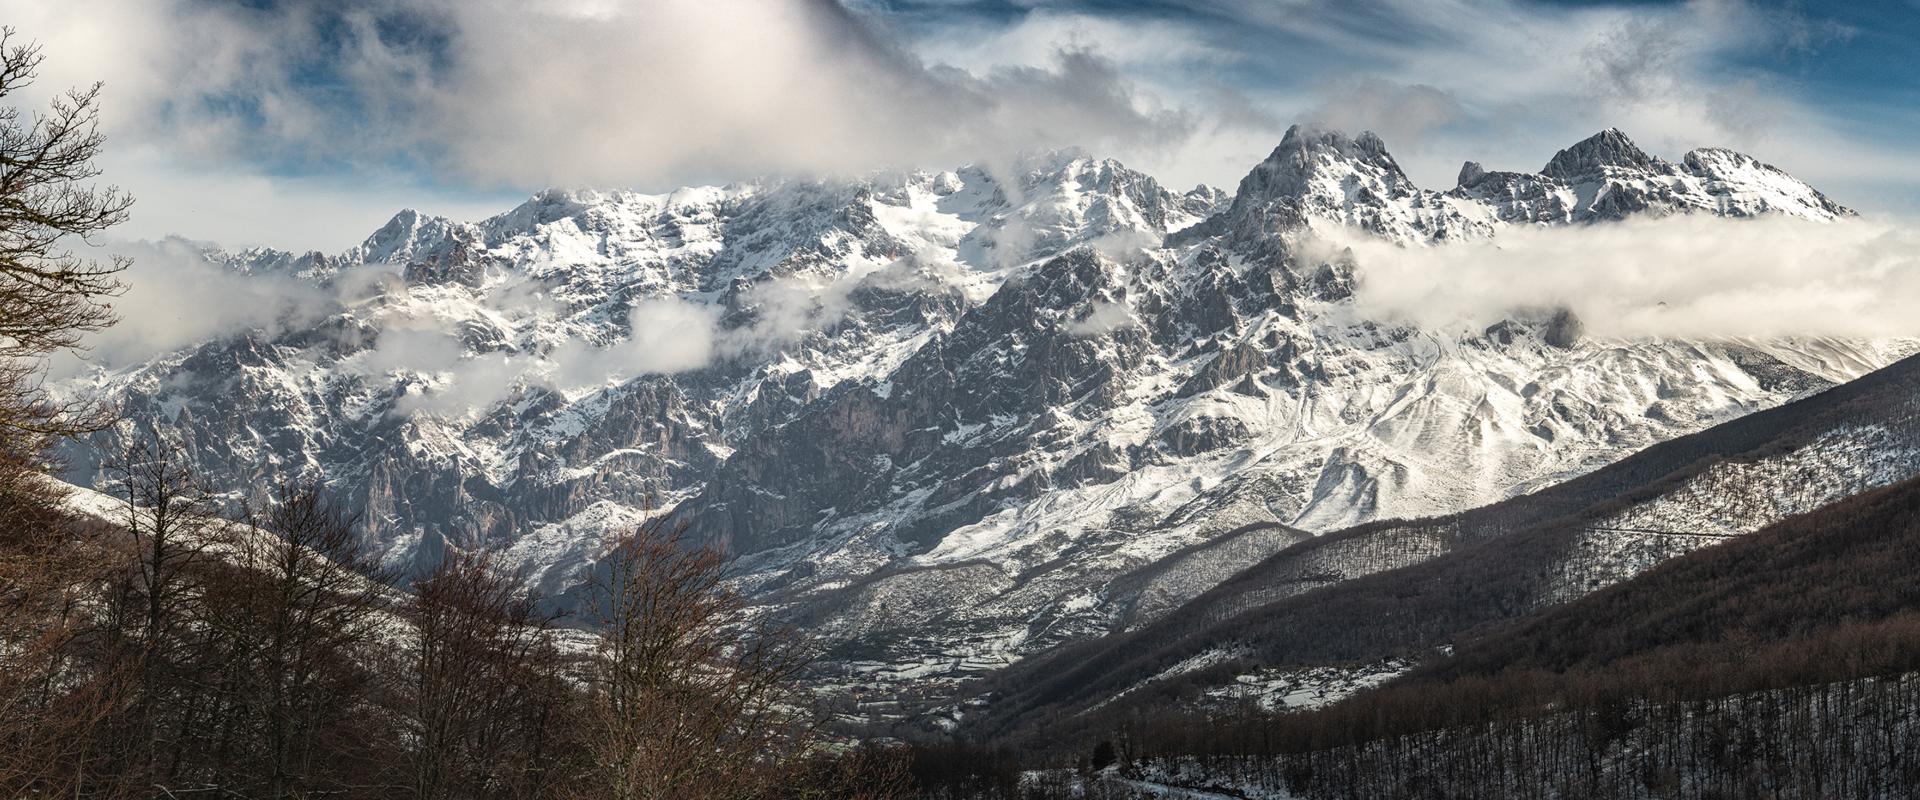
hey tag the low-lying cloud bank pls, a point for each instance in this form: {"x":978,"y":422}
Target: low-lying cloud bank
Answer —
{"x":664,"y":335}
{"x":178,"y":296}
{"x":1683,"y":276}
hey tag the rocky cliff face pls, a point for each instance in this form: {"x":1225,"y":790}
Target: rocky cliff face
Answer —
{"x":948,"y":419}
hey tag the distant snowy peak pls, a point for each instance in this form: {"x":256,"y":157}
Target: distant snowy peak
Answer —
{"x":1310,"y":161}
{"x":1319,"y":177}
{"x":1050,"y":201}
{"x":1608,"y":177}
{"x":1742,"y":182}
{"x":407,"y":235}
{"x":705,"y":239}
{"x":1608,"y":149}
{"x":1083,"y":200}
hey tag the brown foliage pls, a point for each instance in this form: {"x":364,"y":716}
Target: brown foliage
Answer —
{"x":177,"y":654}
{"x":684,"y":698}
{"x":56,"y":698}
{"x":487,"y":694}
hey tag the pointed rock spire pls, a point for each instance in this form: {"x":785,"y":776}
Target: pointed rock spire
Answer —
{"x":1470,"y":173}
{"x":1608,"y":148}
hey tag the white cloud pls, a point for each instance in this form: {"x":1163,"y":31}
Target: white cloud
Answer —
{"x":1397,"y":112}
{"x":1531,"y":79}
{"x":1681,"y":276}
{"x":175,"y":297}
{"x":666,"y":335}
{"x":238,"y":208}
{"x":438,"y":103}
{"x":484,"y":95}
{"x":1136,"y":45}
{"x":1106,"y":317}
{"x":500,"y":93}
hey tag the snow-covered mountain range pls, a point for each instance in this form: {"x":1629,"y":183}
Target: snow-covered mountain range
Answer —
{"x":947,"y":420}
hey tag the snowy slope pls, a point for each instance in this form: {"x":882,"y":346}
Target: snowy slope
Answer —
{"x":1323,"y":613}
{"x":950,"y":419}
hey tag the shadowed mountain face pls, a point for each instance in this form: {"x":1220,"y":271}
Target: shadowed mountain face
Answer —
{"x":1347,"y":609}
{"x":952,"y":419}
{"x":1779,"y":663}
{"x":1800,"y":579}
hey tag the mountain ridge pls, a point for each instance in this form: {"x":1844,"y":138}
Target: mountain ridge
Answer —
{"x":1396,"y":592}
{"x":942,"y":415}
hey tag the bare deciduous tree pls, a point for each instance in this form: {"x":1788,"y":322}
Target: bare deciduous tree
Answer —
{"x":685,"y":698}
{"x":50,"y":298}
{"x":56,"y":698}
{"x":487,"y":696}
{"x":295,"y":612}
{"x":153,"y":611}
{"x":56,"y":701}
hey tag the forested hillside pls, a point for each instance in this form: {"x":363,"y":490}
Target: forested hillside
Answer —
{"x":1783,"y":663}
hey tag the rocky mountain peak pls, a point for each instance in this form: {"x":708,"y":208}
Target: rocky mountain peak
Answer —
{"x":1470,"y":173}
{"x":408,"y":235}
{"x":1318,"y":174}
{"x":1751,"y":184}
{"x":547,"y":206}
{"x":1608,"y":148}
{"x":1307,"y":153}
{"x":1052,"y":161}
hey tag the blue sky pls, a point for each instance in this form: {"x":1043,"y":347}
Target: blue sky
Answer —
{"x":304,"y":123}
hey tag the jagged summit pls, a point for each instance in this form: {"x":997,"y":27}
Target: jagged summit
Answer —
{"x":1366,"y":146}
{"x":1314,"y":176}
{"x":408,"y":236}
{"x":1318,"y":176}
{"x":1052,"y":159}
{"x":1608,"y":148}
{"x":1307,"y":153}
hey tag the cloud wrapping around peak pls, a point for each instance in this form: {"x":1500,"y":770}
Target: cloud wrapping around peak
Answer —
{"x":1686,"y":276}
{"x":1682,"y":276}
{"x":176,"y":297}
{"x":662,"y":336}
